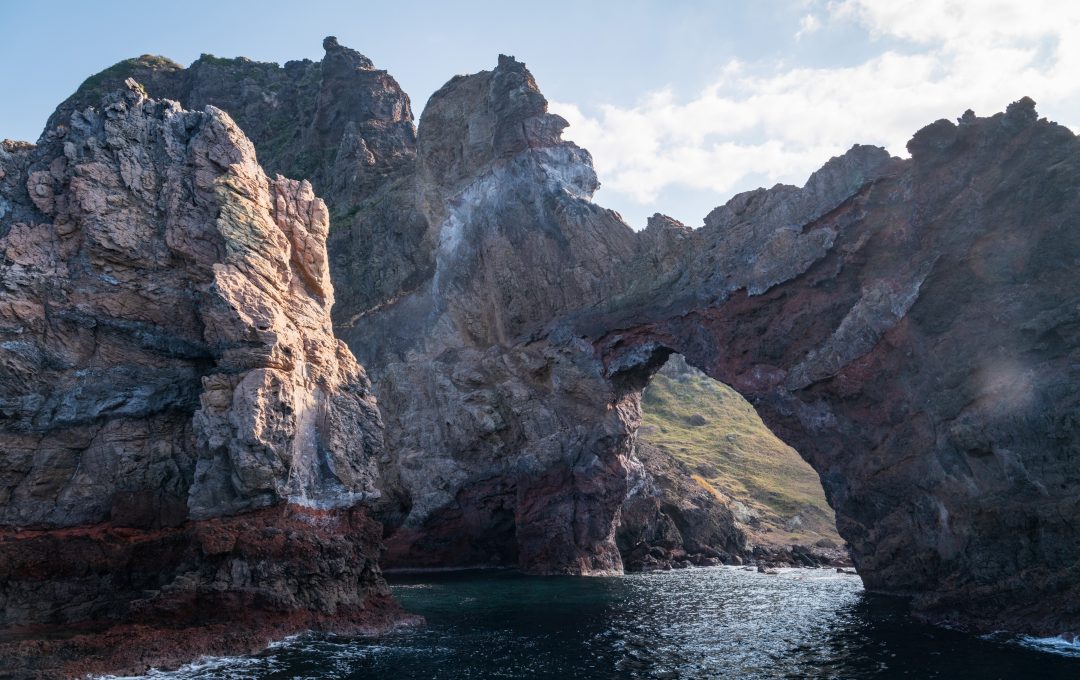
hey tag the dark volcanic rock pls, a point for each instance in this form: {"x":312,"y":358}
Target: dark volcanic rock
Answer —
{"x":910,"y":326}
{"x":169,"y":368}
{"x":665,"y":508}
{"x":475,"y":403}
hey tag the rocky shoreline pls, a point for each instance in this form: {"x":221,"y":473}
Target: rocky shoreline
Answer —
{"x":131,"y":649}
{"x":186,"y":440}
{"x":654,"y":558}
{"x":232,"y":597}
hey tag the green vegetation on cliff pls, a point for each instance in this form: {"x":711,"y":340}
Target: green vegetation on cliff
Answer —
{"x":720,"y":437}
{"x":100,"y":83}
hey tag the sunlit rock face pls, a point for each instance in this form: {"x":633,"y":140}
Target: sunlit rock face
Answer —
{"x":169,"y":365}
{"x":341,"y":123}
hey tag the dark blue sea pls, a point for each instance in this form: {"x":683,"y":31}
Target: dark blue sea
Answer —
{"x":720,"y":622}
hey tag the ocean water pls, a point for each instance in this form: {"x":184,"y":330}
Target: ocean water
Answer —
{"x":698,"y":623}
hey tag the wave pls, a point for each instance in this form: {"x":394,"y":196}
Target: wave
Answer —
{"x":1065,"y":646}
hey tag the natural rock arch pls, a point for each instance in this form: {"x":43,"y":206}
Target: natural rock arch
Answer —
{"x":921,"y":363}
{"x":909,"y":325}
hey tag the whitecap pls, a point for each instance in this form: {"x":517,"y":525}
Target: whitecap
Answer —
{"x":1054,"y":645}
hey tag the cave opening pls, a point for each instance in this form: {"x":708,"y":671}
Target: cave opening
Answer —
{"x":717,"y":486}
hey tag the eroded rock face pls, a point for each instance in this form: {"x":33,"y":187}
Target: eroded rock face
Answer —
{"x":908,"y":325}
{"x":341,"y":123}
{"x":500,"y":453}
{"x":668,"y":520}
{"x":169,"y":368}
{"x":505,"y":449}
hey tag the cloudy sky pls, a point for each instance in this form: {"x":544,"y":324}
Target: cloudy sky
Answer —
{"x":681,"y":103}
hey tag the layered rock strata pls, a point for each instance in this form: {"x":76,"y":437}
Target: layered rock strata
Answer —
{"x":184,"y":441}
{"x":908,"y":325}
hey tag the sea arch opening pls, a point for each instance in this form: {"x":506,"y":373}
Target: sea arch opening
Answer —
{"x":712,"y":484}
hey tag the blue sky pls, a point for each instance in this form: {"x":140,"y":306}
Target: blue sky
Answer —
{"x":681,"y":103}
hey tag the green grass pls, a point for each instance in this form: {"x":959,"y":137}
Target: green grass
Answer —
{"x":207,"y":58}
{"x":99,"y":81}
{"x":737,"y":457}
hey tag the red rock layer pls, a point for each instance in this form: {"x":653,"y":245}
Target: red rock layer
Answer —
{"x":141,"y":598}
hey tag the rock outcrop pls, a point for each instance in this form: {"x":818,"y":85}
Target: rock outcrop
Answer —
{"x":184,"y":441}
{"x":405,"y":253}
{"x":907,"y":325}
{"x":910,"y":326}
{"x":506,"y":447}
{"x":341,"y":123}
{"x":668,"y":520}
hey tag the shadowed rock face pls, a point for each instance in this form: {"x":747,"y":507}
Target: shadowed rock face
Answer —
{"x":910,"y":326}
{"x":487,"y":421}
{"x":169,"y":365}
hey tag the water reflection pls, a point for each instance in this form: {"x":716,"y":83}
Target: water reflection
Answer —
{"x":702,"y":623}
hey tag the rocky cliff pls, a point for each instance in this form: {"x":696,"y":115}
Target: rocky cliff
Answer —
{"x":341,"y":123}
{"x":185,"y":442}
{"x":907,"y":325}
{"x":910,"y":326}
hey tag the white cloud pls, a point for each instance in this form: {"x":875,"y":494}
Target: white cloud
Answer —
{"x":807,"y":25}
{"x":955,"y":55}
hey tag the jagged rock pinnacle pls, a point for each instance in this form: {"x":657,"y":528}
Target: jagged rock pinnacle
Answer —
{"x":335,"y":51}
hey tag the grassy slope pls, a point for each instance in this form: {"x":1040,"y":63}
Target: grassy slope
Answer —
{"x":737,"y":456}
